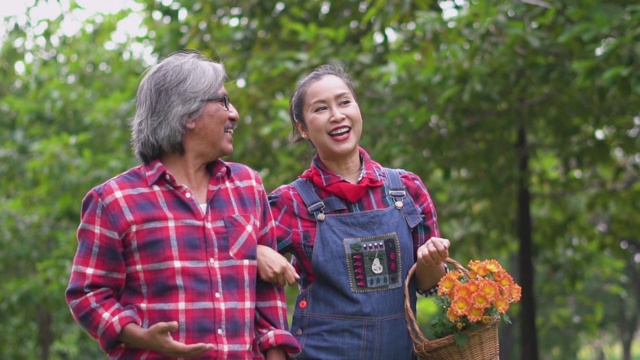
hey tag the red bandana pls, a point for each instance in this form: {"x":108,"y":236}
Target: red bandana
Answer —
{"x":342,"y":188}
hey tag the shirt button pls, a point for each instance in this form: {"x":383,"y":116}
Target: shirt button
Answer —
{"x":188,"y":195}
{"x":211,"y":261}
{"x":299,"y":332}
{"x":220,"y":331}
{"x":217,"y":295}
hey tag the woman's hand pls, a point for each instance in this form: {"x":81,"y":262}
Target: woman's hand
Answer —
{"x":275,"y":268}
{"x":433,"y":252}
{"x":430,"y":257}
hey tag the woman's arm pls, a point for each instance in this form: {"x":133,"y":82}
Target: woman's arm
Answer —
{"x":430,"y":258}
{"x":275,"y":268}
{"x":432,"y":250}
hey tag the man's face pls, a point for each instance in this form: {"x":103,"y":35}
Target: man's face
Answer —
{"x":214,"y":128}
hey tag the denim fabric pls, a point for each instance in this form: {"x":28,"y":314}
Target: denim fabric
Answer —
{"x":355,"y":307}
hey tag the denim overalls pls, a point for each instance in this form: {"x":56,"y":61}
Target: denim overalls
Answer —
{"x":355,"y":307}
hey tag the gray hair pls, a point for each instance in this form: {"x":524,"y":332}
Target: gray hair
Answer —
{"x":172,"y":93}
{"x":298,"y":98}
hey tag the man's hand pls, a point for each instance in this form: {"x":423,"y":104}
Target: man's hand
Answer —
{"x":276,"y":354}
{"x":275,"y":268}
{"x":158,"y":338}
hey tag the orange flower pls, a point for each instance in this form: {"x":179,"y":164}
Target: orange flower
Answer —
{"x":516,"y":293}
{"x":503,"y":279}
{"x":480,"y":301}
{"x":477,"y":268}
{"x":501,"y":305}
{"x":489,"y":289}
{"x":452,"y":316}
{"x":475,"y":314}
{"x":462,"y":290}
{"x":473,"y":285}
{"x":460,"y":305}
{"x":493,"y":266}
{"x":475,"y":298}
{"x":448,"y":281}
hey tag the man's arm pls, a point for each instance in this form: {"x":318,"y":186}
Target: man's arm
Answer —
{"x":271,"y":306}
{"x":98,"y":273}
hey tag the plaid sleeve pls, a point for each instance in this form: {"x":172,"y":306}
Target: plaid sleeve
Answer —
{"x":98,"y":273}
{"x":271,"y":306}
{"x":271,"y":320}
{"x":421,"y":197}
{"x":282,"y":229}
{"x":429,"y":227}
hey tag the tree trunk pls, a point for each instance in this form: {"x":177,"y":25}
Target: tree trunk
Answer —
{"x":528,"y":334}
{"x":631,"y":322}
{"x":507,"y":338}
{"x":45,"y":337}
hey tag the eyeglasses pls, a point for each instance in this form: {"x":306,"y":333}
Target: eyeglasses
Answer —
{"x":224,"y":99}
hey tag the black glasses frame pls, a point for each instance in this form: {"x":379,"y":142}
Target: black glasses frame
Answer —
{"x":223,"y":98}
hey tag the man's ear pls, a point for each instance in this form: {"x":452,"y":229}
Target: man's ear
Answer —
{"x":191,"y":124}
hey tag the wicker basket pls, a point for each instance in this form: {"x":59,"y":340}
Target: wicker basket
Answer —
{"x":482,"y":343}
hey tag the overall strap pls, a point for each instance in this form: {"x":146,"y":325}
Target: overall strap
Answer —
{"x":402,"y":199}
{"x":396,"y":188}
{"x":312,"y":201}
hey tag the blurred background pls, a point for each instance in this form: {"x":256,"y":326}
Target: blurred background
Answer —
{"x":522,"y":117}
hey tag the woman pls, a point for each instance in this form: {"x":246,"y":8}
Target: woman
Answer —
{"x":354,"y":229}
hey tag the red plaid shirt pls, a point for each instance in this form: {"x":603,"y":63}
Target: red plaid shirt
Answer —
{"x":295,"y":226}
{"x":148,"y":253}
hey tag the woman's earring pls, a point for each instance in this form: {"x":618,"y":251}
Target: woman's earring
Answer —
{"x":304,"y":135}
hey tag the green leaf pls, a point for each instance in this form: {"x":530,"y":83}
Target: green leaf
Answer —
{"x":461,"y":339}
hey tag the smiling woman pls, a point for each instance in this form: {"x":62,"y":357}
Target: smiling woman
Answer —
{"x":332,"y":122}
{"x":354,"y":228}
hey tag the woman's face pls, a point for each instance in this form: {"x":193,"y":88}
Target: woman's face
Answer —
{"x":333,"y":119}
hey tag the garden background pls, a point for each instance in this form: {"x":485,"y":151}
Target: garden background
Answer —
{"x":522,"y":117}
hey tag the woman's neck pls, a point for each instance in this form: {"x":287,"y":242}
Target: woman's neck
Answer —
{"x":348,"y":168}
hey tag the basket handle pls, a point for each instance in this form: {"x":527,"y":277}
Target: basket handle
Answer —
{"x":412,"y":324}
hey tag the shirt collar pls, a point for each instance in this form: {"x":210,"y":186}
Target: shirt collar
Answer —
{"x":155,"y":170}
{"x":329,"y":177}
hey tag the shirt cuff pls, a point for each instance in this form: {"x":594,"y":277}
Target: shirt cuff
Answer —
{"x":278,"y":338}
{"x":108,"y":339}
{"x":433,"y":290}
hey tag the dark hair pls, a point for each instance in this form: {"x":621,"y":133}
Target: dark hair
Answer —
{"x":296,"y":104}
{"x":172,"y":93}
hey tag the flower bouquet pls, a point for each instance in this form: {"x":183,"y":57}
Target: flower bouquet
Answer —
{"x":470,"y":305}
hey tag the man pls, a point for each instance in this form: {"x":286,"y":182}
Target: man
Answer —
{"x":166,"y":258}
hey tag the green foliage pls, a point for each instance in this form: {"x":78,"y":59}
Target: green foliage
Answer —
{"x":64,"y":117}
{"x":441,"y":96}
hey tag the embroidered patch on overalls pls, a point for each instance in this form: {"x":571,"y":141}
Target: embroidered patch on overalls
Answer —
{"x":373,"y":262}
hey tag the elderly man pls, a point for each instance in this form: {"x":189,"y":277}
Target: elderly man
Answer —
{"x":166,"y":258}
